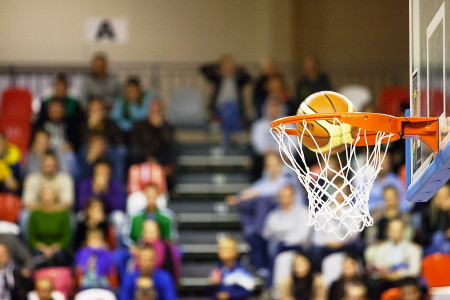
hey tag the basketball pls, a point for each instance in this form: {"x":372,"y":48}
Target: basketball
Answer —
{"x":324,"y":135}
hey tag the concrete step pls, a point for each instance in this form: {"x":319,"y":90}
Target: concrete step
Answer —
{"x":208,"y":236}
{"x":219,"y":207}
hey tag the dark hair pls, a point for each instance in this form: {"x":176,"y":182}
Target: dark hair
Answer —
{"x":133,"y":80}
{"x":102,"y":161}
{"x":51,"y":153}
{"x":302,"y":288}
{"x":61,"y":77}
{"x":92,"y":201}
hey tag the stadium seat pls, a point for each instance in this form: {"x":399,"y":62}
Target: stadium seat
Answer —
{"x":16,"y":104}
{"x":95,"y":294}
{"x":391,"y":294}
{"x":10,"y":207}
{"x":391,"y":100}
{"x":433,"y":267}
{"x":61,"y":277}
{"x":17,"y":132}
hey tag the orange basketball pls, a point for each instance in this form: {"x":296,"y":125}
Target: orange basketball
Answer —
{"x":321,"y":131}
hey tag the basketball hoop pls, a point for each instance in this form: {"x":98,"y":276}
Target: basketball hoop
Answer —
{"x":339,"y":197}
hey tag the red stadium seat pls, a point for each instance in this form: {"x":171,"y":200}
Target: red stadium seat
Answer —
{"x":60,"y":276}
{"x":16,"y":104}
{"x":391,"y":294}
{"x":434,"y":269}
{"x":17,"y":132}
{"x":10,"y":207}
{"x":391,"y":100}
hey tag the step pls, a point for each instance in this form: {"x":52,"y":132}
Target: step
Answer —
{"x":242,"y":161}
{"x":207,"y":218}
{"x":181,"y":206}
{"x":206,"y":251}
{"x":210,"y":188}
{"x":207,"y":236}
{"x":217,"y":178}
{"x":213,"y":149}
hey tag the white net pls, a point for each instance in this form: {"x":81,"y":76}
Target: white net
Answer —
{"x":338,"y":187}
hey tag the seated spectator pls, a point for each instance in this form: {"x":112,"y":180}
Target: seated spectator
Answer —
{"x":394,"y":259}
{"x":268,"y":69}
{"x":98,"y":124}
{"x":165,"y":222}
{"x":49,"y":233}
{"x":261,"y":138}
{"x":20,"y":255}
{"x":102,"y":187}
{"x":48,"y":173}
{"x":44,"y":290}
{"x":386,"y":177}
{"x":94,"y":266}
{"x":226,"y":102}
{"x":276,"y":88}
{"x":154,"y":138}
{"x":285,"y":227}
{"x":355,"y":291}
{"x":72,"y":108}
{"x":40,"y":145}
{"x":9,"y":165}
{"x":411,"y":290}
{"x":142,"y":174}
{"x":163,"y":282}
{"x":350,"y":273}
{"x":303,"y":283}
{"x":13,"y":286}
{"x":95,"y":151}
{"x":435,"y":229}
{"x":99,"y":83}
{"x":311,"y":80}
{"x":64,"y":133}
{"x":382,"y":216}
{"x":133,"y":105}
{"x":229,"y":280}
{"x":94,"y":218}
{"x":145,"y":289}
{"x":256,"y":202}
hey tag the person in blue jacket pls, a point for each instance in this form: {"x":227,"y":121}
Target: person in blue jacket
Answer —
{"x":229,"y":280}
{"x":164,"y":285}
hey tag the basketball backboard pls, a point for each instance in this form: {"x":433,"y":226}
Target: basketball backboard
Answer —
{"x":429,"y":36}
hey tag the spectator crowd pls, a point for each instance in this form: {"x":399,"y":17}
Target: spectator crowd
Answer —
{"x":95,"y":182}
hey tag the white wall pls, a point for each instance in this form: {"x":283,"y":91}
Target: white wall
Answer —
{"x":52,"y":31}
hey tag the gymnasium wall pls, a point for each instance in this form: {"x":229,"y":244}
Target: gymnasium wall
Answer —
{"x":52,"y":31}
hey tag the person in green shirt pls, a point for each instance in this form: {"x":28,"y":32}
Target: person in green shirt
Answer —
{"x":151,"y":212}
{"x":49,"y":233}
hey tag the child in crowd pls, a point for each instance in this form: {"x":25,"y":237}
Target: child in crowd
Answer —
{"x":93,"y":263}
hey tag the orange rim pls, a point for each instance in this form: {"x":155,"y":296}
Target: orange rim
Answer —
{"x":426,"y":129}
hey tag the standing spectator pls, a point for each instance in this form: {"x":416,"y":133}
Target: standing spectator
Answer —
{"x":72,"y":108}
{"x":49,"y":173}
{"x":268,"y":69}
{"x":101,"y":186}
{"x":49,"y":233}
{"x":382,"y":216}
{"x":163,"y":282}
{"x":303,"y":283}
{"x":154,"y":139}
{"x":99,"y":83}
{"x":261,"y":139}
{"x":132,"y":106}
{"x":64,"y":132}
{"x":350,"y":273}
{"x":435,"y":229}
{"x":229,"y":280}
{"x":392,"y":260}
{"x":40,"y":145}
{"x":13,"y":286}
{"x":226,"y":102}
{"x":9,"y":165}
{"x":94,"y":265}
{"x":44,"y":290}
{"x":285,"y":227}
{"x":312,"y":80}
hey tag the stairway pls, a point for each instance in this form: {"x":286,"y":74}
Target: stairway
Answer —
{"x":206,"y":175}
